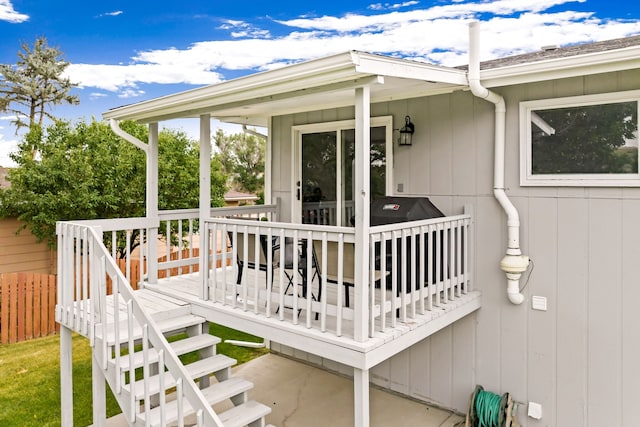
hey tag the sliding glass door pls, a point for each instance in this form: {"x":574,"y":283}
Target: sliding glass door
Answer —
{"x":325,"y":182}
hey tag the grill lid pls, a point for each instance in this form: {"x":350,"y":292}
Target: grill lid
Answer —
{"x":390,"y":210}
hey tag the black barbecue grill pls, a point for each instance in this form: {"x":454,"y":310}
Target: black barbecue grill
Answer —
{"x":392,"y":210}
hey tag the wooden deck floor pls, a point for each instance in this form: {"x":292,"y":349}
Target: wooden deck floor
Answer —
{"x":160,"y":306}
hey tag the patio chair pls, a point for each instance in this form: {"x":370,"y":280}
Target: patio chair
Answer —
{"x":348,"y":273}
{"x":251,"y":261}
{"x":299,"y":250}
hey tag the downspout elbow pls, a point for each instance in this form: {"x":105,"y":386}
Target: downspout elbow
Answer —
{"x":513,"y":292}
{"x":115,"y":127}
{"x":482,"y":92}
{"x":253,"y":132}
{"x":473,"y":73}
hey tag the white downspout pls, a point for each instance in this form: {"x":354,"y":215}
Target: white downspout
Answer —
{"x":253,"y":132}
{"x":115,"y":127}
{"x":267,"y":162}
{"x":151,"y":157}
{"x":513,"y":263}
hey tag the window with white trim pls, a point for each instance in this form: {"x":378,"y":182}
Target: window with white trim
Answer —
{"x":589,"y":140}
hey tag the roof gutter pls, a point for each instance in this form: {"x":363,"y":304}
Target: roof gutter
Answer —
{"x":513,"y":263}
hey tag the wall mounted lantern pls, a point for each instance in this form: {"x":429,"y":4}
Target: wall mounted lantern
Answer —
{"x":406,"y":132}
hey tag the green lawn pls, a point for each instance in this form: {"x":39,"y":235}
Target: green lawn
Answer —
{"x":30,"y":378}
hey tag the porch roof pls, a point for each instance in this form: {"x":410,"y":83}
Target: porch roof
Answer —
{"x":317,"y":84}
{"x":328,"y":82}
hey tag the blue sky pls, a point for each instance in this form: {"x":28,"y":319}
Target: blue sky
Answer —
{"x":129,"y":51}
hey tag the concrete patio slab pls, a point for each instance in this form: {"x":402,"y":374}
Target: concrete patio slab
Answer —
{"x":301,"y":395}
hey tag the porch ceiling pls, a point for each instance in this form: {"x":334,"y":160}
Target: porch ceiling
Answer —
{"x":312,"y":85}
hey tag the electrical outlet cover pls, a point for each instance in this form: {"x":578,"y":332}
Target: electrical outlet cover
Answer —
{"x":535,"y":410}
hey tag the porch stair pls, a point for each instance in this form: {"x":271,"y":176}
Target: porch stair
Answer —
{"x":211,"y":372}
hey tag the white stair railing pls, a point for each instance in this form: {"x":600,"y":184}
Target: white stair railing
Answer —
{"x":110,"y":321}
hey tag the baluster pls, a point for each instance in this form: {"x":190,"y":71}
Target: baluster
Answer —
{"x":372,"y":288}
{"x":383,"y":281}
{"x":421,"y":264}
{"x":340,"y":262}
{"x":323,"y":284}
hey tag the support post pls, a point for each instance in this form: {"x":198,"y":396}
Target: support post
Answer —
{"x":99,"y":392}
{"x":361,"y":397}
{"x":268,"y":156}
{"x":361,"y":290}
{"x":205,"y":199}
{"x":152,"y":203}
{"x":66,"y":379}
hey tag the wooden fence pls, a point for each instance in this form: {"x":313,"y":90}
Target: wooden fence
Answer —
{"x":27,"y":303}
{"x":28,"y":300}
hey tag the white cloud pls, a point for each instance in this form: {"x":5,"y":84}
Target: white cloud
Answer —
{"x":7,"y":146}
{"x":8,"y":118}
{"x":9,"y":14}
{"x":437,"y":34}
{"x":130,"y":93}
{"x":117,"y":77}
{"x":391,"y":6}
{"x":97,"y":95}
{"x":241,"y":29}
{"x":352,"y":22}
{"x":8,"y":142}
{"x":114,"y":13}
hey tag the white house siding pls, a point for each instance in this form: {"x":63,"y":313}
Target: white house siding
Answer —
{"x":580,"y":358}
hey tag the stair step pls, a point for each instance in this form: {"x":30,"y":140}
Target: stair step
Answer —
{"x":244,"y":414}
{"x":169,"y":325}
{"x":194,"y":343}
{"x":196,"y":369}
{"x":215,"y":393}
{"x":181,"y":347}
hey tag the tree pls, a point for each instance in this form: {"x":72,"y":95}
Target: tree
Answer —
{"x":87,"y":172}
{"x":586,"y":139}
{"x":242,"y":158}
{"x":34,"y":84}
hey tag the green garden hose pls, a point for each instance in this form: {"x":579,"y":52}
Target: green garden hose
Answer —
{"x":487,"y":409}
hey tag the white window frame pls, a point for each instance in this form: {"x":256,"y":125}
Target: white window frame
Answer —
{"x":338,"y":126}
{"x":527,"y":178}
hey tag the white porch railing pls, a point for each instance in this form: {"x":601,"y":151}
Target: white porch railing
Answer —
{"x":425,"y":263}
{"x":84,"y":267}
{"x":174,"y":234}
{"x":326,"y":212}
{"x":183,"y":228}
{"x":415,"y":267}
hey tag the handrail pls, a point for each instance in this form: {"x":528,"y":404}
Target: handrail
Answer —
{"x":248,"y":211}
{"x":84,"y":255}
